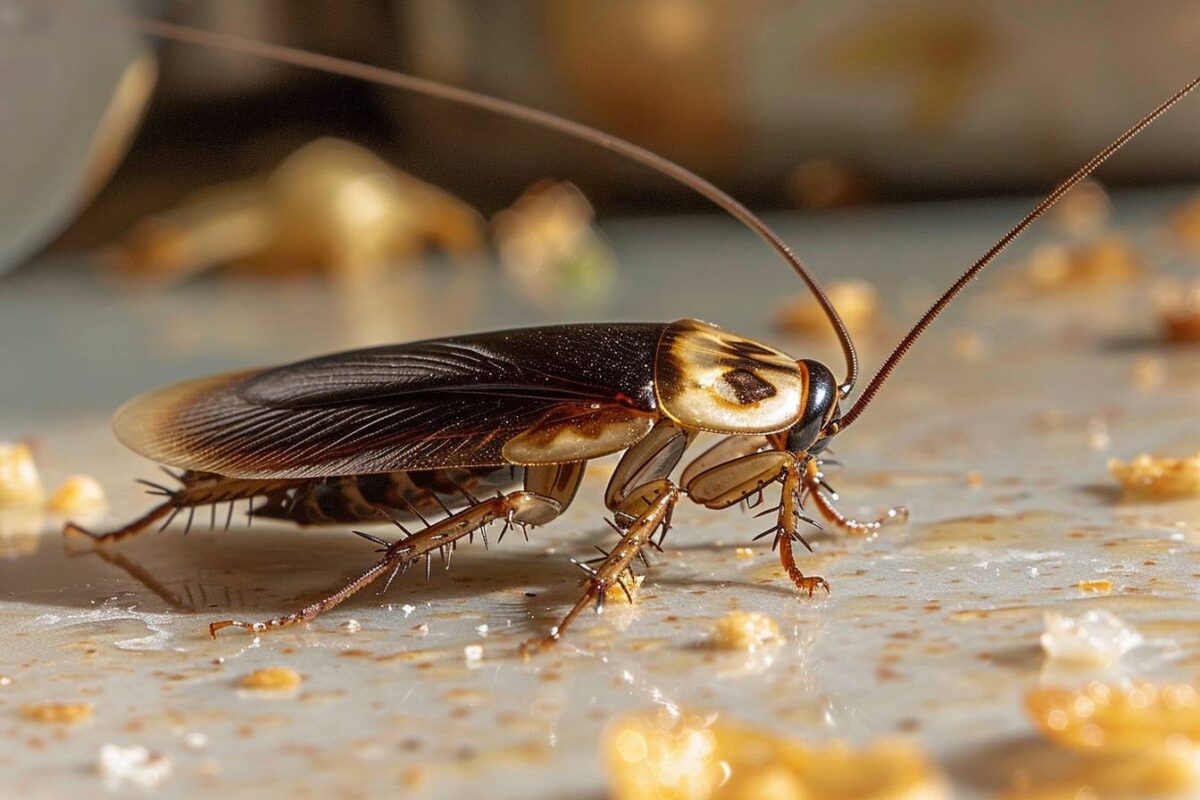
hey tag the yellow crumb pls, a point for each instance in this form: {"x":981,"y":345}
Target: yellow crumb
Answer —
{"x":20,"y":484}
{"x":1096,"y":585}
{"x":1109,"y":719}
{"x":1084,"y":209}
{"x":1106,"y":261}
{"x":1155,"y":478}
{"x":1185,"y":223}
{"x":974,"y":479}
{"x":271,"y":679}
{"x":614,"y":593}
{"x":744,"y":630}
{"x":1149,"y":373}
{"x":57,"y":712}
{"x":77,"y":494}
{"x":743,"y":552}
{"x":856,"y":302}
{"x":1177,"y":304}
{"x":652,"y":756}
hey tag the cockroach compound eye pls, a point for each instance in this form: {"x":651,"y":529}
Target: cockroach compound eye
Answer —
{"x":446,"y":437}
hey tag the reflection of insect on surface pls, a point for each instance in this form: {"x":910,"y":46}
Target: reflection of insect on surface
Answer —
{"x":401,"y":432}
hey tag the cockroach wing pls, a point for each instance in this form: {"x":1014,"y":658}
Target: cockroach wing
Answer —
{"x":426,"y":405}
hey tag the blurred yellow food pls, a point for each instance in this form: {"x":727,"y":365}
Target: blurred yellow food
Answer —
{"x":272,"y":679}
{"x":744,"y":630}
{"x":1155,"y":478}
{"x":655,"y":756}
{"x":77,"y":494}
{"x":616,"y":592}
{"x":1085,"y":209}
{"x":20,"y":484}
{"x":1108,"y":260}
{"x":1185,"y":223}
{"x":57,"y":712}
{"x":1115,"y":720}
{"x":1178,"y":307}
{"x":857,"y":303}
{"x":332,"y":207}
{"x":550,"y":247}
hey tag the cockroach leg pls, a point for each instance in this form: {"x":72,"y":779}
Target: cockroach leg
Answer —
{"x":520,"y":507}
{"x":615,"y":566}
{"x":786,"y":530}
{"x":196,"y":489}
{"x":815,"y":487}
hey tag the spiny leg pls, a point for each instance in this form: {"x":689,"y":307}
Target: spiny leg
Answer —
{"x":786,"y":531}
{"x":515,"y":508}
{"x":611,"y":570}
{"x":195,"y":490}
{"x":814,"y":484}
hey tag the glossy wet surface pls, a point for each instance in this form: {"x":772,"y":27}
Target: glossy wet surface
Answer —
{"x":996,"y":435}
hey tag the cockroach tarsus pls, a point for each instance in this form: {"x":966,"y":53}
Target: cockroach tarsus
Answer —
{"x":506,"y":422}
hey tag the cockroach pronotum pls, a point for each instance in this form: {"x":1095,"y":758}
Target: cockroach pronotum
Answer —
{"x":505,"y":423}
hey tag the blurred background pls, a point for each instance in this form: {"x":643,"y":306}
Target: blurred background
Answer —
{"x":786,"y":104}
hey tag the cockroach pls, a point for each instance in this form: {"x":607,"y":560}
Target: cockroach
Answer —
{"x":503,"y":424}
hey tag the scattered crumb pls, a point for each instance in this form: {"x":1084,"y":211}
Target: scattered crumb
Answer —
{"x":195,"y":740}
{"x":856,"y":302}
{"x":655,"y":755}
{"x":271,"y":679}
{"x":1149,"y":373}
{"x":969,"y":346}
{"x":76,"y":495}
{"x":743,"y":552}
{"x":974,"y":479}
{"x":351,"y":626}
{"x":1185,"y":223}
{"x":613,"y":593}
{"x":1095,"y":637}
{"x":1177,"y":305}
{"x":1096,"y":585}
{"x":744,"y":630}
{"x":1118,"y":719}
{"x":20,"y":484}
{"x":1154,"y":478}
{"x":133,"y":765}
{"x":473,"y":653}
{"x":58,"y":712}
{"x":1085,"y":209}
{"x":1106,"y":261}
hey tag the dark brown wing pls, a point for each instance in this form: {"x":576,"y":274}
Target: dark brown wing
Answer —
{"x":426,"y":405}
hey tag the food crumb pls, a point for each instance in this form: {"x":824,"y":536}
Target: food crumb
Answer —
{"x":351,"y":626}
{"x":20,"y":484}
{"x":77,"y":494}
{"x":974,"y":479}
{"x":1118,"y":719}
{"x":1095,"y":637}
{"x":57,"y":712}
{"x":1084,"y":209}
{"x":744,"y":630}
{"x":1106,"y":261}
{"x":857,"y":303}
{"x":614,"y":593}
{"x":473,"y":653}
{"x":655,"y":755}
{"x":1096,"y":585}
{"x":133,"y":764}
{"x":195,"y":740}
{"x":1149,"y":373}
{"x":743,"y":552}
{"x":1156,"y":478}
{"x":1177,"y":305}
{"x":271,"y":679}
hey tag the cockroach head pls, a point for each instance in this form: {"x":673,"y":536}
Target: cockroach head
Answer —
{"x":817,"y":422}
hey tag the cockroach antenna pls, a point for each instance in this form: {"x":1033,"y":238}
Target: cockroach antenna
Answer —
{"x":399,"y":80}
{"x":1041,"y":208}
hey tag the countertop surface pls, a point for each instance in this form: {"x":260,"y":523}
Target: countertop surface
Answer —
{"x":996,"y":435}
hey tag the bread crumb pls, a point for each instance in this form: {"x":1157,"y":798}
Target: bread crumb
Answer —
{"x":58,"y":712}
{"x":20,"y":484}
{"x":744,"y":630}
{"x":1155,"y":478}
{"x":76,"y":495}
{"x":271,"y":679}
